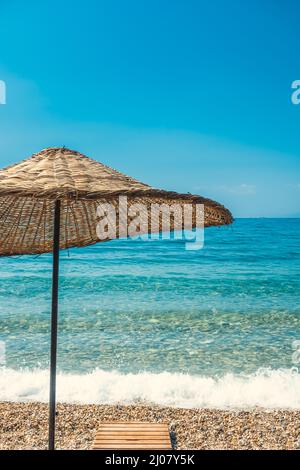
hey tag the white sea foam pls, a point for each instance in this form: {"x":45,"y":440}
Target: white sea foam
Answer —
{"x":266,"y":388}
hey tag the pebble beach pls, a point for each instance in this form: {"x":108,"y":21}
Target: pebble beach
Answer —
{"x":24,"y":426}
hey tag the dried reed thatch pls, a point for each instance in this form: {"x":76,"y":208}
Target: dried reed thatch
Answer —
{"x":28,"y":190}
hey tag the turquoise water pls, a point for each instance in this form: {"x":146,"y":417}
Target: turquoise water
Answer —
{"x":152,"y":307}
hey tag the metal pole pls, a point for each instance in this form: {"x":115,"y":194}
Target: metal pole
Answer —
{"x":55,"y":273}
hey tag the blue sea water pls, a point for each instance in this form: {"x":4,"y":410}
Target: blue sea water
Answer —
{"x":152,"y":321}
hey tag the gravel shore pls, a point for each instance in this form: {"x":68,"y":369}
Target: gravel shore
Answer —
{"x":24,"y":426}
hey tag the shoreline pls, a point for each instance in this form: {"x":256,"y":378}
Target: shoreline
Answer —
{"x":25,"y":426}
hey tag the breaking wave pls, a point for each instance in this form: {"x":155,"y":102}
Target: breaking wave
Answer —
{"x":265,"y":388}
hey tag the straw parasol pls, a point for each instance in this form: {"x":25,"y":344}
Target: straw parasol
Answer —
{"x":49,"y":202}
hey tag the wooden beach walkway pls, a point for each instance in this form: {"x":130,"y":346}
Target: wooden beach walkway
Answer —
{"x":132,"y":435}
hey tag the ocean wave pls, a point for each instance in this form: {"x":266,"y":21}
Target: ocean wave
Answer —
{"x":265,"y":388}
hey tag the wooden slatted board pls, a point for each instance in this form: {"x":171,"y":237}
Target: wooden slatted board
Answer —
{"x":132,"y":435}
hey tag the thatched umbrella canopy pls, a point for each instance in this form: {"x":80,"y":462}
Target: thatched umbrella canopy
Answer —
{"x":28,"y":190}
{"x":49,"y":202}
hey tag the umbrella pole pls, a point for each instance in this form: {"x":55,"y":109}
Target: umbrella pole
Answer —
{"x":52,"y":401}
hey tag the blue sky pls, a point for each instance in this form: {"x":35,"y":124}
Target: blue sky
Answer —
{"x":185,"y":95}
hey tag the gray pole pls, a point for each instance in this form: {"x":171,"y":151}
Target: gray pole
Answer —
{"x":55,"y":274}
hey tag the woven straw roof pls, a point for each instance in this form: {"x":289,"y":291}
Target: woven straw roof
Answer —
{"x":28,"y":190}
{"x":63,"y":173}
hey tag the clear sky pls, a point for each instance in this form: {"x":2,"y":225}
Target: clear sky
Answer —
{"x":187,"y":95}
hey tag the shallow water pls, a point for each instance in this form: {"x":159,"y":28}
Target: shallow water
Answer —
{"x":230,"y":311}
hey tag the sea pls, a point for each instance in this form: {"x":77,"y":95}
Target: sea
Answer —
{"x":152,"y":322}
